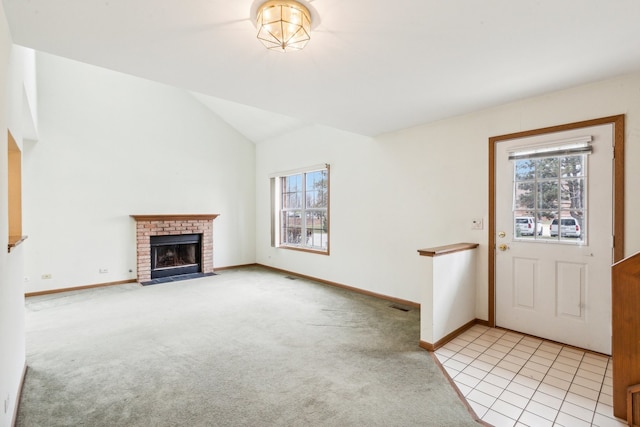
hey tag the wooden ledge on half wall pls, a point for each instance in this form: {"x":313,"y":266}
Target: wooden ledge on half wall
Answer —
{"x":447,"y":249}
{"x":15,"y":241}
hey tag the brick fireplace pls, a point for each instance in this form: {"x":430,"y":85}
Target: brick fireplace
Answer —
{"x":172,"y":225}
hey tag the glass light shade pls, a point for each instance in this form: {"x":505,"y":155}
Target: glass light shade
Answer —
{"x":284,"y":25}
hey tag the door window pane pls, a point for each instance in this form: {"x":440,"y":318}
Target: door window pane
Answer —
{"x":525,"y":169}
{"x":547,"y":195}
{"x":525,"y":196}
{"x":547,"y":167}
{"x":550,"y":198}
{"x":572,"y":166}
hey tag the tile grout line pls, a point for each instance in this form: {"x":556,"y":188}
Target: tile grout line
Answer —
{"x":540,"y":382}
{"x":516,"y":373}
{"x":606,"y":368}
{"x":570,"y":384}
{"x":495,"y":339}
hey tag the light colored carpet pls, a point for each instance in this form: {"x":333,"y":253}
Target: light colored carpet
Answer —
{"x":247,"y":347}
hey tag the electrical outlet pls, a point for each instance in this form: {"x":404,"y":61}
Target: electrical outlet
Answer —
{"x":103,"y":270}
{"x":47,"y":276}
{"x":476,"y":224}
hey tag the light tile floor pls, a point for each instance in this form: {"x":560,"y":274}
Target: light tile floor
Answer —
{"x":510,"y":379}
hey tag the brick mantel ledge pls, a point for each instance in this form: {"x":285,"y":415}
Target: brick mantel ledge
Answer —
{"x":173,"y":217}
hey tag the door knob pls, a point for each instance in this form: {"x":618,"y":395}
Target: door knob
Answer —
{"x":503,"y":247}
{"x":502,"y":234}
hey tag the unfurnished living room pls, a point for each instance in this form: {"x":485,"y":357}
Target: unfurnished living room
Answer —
{"x":319,"y":212}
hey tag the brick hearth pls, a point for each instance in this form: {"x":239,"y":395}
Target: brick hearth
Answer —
{"x":165,"y":225}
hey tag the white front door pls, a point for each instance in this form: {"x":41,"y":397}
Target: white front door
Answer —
{"x":554,"y":222}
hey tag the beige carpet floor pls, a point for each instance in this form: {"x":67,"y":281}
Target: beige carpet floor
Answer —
{"x":247,"y":347}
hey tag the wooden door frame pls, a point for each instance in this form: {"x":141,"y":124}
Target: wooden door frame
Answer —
{"x":618,"y":190}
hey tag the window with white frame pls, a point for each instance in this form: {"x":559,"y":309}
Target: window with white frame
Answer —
{"x":301,"y":208}
{"x":550,"y":191}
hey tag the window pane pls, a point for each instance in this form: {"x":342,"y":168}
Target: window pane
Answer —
{"x":313,"y":178}
{"x":311,"y":198}
{"x":548,"y":195}
{"x":525,"y":170}
{"x":317,"y":229}
{"x":291,"y":201}
{"x":572,"y":194}
{"x":292,"y":192}
{"x":547,"y":168}
{"x":291,"y":227}
{"x":316,"y":199}
{"x":571,"y":227}
{"x":316,"y":189}
{"x":294,"y":183}
{"x":524,"y":198}
{"x":526,"y":225}
{"x":572,"y":166}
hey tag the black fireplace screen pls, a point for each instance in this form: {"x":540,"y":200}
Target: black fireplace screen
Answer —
{"x":175,"y":255}
{"x":168,"y":256}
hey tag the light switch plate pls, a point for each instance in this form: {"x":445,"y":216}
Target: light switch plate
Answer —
{"x":476,"y":224}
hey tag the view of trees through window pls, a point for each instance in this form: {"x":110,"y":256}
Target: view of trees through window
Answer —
{"x":550,"y":198}
{"x":304,"y":220}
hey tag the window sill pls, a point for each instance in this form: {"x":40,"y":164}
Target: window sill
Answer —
{"x":299,"y":249}
{"x":15,"y":241}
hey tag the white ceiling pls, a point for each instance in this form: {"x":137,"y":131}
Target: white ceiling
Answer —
{"x":371,"y":67}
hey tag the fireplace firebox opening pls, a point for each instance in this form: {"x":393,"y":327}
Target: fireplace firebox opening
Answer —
{"x":175,"y":255}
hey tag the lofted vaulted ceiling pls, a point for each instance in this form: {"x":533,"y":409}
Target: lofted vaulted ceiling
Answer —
{"x":371,"y":66}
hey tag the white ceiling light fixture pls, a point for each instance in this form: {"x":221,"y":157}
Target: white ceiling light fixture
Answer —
{"x":283,"y":25}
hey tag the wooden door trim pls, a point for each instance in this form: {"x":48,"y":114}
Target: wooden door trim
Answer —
{"x":618,"y":190}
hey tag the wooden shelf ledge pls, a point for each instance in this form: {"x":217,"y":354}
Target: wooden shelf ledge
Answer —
{"x":15,"y":241}
{"x":447,"y":249}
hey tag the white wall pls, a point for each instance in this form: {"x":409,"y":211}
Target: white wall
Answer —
{"x":30,"y":97}
{"x":370,"y":217}
{"x":111,"y":145}
{"x":421,"y":187}
{"x":13,"y":68}
{"x":448,"y":294}
{"x":388,"y":200}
